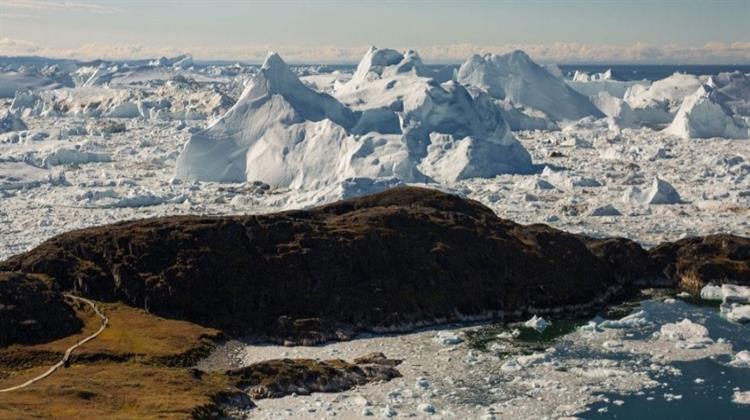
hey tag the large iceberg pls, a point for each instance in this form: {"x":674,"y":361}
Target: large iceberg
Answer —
{"x":704,"y":115}
{"x":285,"y":134}
{"x":657,"y":103}
{"x":517,"y":78}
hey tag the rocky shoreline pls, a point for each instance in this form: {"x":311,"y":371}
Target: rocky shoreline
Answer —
{"x":385,"y":262}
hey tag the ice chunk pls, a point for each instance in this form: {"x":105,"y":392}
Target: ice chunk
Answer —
{"x":448,"y":338}
{"x":736,"y":312}
{"x":511,"y":365}
{"x":711,"y":292}
{"x":735,"y":294}
{"x":686,"y":334}
{"x":741,"y":359}
{"x":605,"y":210}
{"x":634,"y":320}
{"x":740,"y":397}
{"x":659,"y":192}
{"x":536,"y":322}
{"x":66,"y":156}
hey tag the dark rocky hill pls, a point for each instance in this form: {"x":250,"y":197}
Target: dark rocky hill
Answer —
{"x":404,"y":257}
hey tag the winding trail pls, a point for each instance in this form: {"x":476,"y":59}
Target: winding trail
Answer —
{"x":70,"y":349}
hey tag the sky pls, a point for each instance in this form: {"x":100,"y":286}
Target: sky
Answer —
{"x":337,"y":31}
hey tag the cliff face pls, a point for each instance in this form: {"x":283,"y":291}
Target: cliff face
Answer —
{"x":402,"y":257}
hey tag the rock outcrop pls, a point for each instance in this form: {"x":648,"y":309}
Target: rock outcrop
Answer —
{"x":401,"y":258}
{"x":692,"y":263}
{"x":32,"y":310}
{"x":385,"y":262}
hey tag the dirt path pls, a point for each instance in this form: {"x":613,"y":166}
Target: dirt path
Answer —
{"x":70,"y":349}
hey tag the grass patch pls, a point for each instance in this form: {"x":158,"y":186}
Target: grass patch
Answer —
{"x":135,"y":369}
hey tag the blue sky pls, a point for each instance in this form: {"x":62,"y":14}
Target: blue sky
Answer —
{"x":339,"y":31}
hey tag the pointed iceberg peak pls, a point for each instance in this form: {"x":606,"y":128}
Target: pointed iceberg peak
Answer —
{"x":519,"y":55}
{"x":277,"y":75}
{"x":274,"y":61}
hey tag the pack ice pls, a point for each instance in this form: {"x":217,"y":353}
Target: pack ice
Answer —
{"x":392,"y":120}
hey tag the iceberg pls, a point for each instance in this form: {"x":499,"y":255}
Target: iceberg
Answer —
{"x":516,"y":77}
{"x":288,"y":135}
{"x":704,"y":115}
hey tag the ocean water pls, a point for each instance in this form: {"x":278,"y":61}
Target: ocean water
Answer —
{"x":711,"y":399}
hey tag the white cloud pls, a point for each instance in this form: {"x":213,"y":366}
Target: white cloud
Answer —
{"x":711,"y":53}
{"x":53,"y":6}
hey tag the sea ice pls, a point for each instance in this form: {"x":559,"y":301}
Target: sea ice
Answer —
{"x":712,"y":292}
{"x":741,"y":397}
{"x":634,"y":320}
{"x":536,"y":322}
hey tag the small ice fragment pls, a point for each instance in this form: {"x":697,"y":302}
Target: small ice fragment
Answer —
{"x":612,"y":344}
{"x":699,"y":380}
{"x":634,"y":320}
{"x":735,"y":294}
{"x":590,"y":327}
{"x":741,"y":359}
{"x":538,"y":323}
{"x":711,"y":292}
{"x":448,"y":338}
{"x":511,"y":365}
{"x":740,"y":397}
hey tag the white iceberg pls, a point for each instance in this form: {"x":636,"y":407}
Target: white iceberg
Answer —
{"x":703,"y":115}
{"x":659,"y":192}
{"x":516,"y":77}
{"x":537,"y":323}
{"x":284,"y":134}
